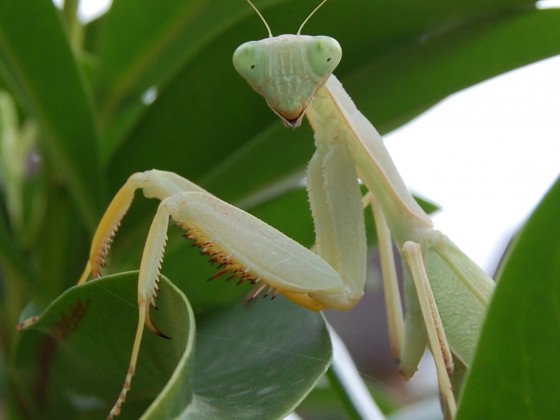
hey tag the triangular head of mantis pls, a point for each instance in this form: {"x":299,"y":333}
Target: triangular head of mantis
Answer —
{"x":288,"y":70}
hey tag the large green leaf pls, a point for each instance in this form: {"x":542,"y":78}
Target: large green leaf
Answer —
{"x":73,"y":360}
{"x":391,"y":89}
{"x":265,"y":356}
{"x":515,"y":371}
{"x":37,"y":63}
{"x":221,"y":130}
{"x":155,"y":40}
{"x":434,"y":66}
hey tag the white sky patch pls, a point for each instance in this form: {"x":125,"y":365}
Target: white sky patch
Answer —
{"x":89,"y":9}
{"x":548,"y":4}
{"x":149,"y":96}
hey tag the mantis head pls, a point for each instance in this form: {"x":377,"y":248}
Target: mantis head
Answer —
{"x":288,"y":70}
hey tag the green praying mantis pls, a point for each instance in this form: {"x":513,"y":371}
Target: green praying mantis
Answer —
{"x":446,"y":293}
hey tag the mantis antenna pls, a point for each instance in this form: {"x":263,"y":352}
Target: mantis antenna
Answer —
{"x":301,"y":26}
{"x":263,"y":19}
{"x":309,"y":17}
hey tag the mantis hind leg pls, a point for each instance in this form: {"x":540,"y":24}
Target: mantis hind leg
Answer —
{"x":432,"y":321}
{"x":408,"y":346}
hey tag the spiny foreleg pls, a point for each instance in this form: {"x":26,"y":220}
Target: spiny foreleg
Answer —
{"x":154,"y":184}
{"x":240,"y":242}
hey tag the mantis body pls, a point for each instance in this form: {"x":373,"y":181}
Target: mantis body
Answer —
{"x":446,"y":293}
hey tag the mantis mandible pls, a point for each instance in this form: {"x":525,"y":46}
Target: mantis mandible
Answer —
{"x":446,"y":293}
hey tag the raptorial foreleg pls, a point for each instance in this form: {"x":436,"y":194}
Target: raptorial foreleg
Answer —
{"x":154,"y":184}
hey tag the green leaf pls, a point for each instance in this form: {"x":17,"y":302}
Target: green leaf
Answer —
{"x":258,"y":360}
{"x":208,"y":125}
{"x":73,"y":360}
{"x":430,"y":68}
{"x":516,"y":366}
{"x":37,"y":63}
{"x":155,"y":40}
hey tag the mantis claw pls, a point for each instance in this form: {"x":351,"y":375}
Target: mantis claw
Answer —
{"x":151,"y":326}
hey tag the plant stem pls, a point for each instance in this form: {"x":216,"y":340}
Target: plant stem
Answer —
{"x":347,"y":383}
{"x":75,"y":28}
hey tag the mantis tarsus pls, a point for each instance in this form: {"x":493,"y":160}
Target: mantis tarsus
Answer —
{"x":446,"y":293}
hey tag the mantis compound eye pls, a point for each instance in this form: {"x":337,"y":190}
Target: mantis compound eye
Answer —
{"x":250,"y":62}
{"x":323,"y":55}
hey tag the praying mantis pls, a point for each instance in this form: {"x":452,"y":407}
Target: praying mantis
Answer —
{"x":445,"y":292}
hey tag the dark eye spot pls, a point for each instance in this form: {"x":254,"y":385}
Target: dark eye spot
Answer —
{"x":252,"y":66}
{"x":328,"y":59}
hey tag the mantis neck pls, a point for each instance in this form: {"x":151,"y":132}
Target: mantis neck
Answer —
{"x":335,"y":118}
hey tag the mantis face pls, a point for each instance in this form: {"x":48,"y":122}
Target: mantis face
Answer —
{"x":288,"y":70}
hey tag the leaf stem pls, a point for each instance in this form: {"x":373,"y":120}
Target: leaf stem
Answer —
{"x":348,"y":384}
{"x":75,"y":28}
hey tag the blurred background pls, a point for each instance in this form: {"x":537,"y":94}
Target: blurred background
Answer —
{"x":483,"y":152}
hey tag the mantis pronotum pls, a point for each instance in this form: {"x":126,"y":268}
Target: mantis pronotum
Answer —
{"x":446,"y":293}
